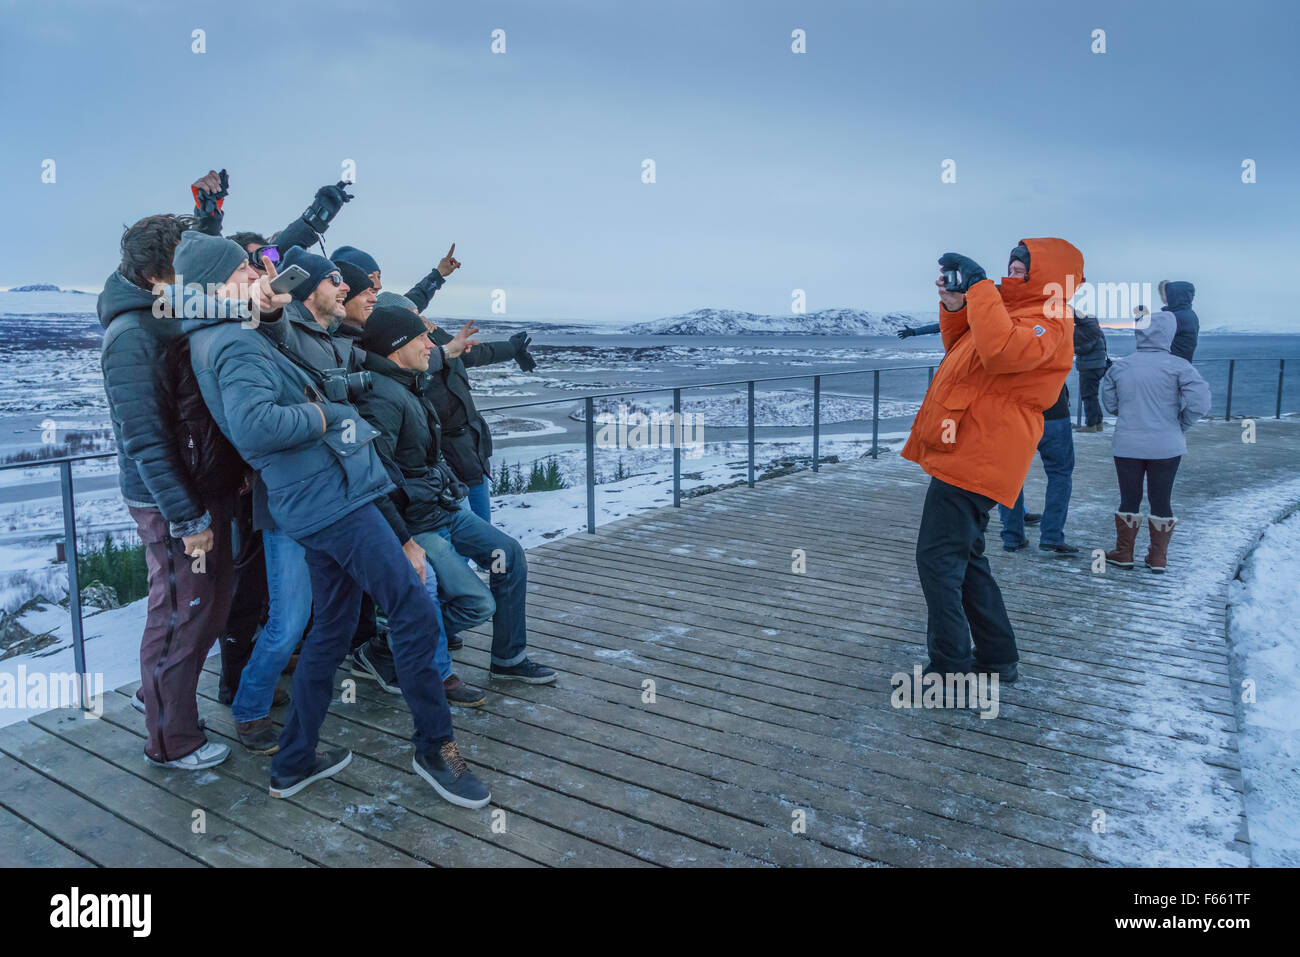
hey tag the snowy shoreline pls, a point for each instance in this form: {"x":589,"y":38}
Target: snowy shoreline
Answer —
{"x":1264,"y":658}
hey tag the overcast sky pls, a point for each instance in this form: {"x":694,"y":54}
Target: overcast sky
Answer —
{"x":775,"y":171}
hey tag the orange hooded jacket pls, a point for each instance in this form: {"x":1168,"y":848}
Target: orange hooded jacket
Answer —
{"x":1008,"y":353}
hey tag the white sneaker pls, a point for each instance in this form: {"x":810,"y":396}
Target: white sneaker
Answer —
{"x":210,"y":755}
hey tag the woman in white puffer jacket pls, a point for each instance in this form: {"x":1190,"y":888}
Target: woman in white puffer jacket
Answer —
{"x":1156,"y":397}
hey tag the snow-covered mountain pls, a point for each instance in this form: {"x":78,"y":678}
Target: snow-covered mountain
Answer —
{"x":45,"y":287}
{"x":825,"y":322}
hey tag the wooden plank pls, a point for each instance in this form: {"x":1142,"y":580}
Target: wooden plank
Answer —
{"x":218,"y":843}
{"x":23,"y":845}
{"x":99,"y":836}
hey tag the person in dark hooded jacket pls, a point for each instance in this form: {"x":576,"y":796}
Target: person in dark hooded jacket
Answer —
{"x":1177,"y":297}
{"x":185,"y":532}
{"x":1090,"y":360}
{"x":467,"y":438}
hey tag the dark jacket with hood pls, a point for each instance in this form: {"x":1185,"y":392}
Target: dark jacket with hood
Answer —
{"x":167,"y":454}
{"x":315,"y":459}
{"x":1178,"y":296}
{"x":467,"y":441}
{"x":1089,"y":343}
{"x":410,"y":442}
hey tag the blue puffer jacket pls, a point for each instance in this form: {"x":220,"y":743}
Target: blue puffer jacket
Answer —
{"x":1156,"y":395}
{"x":1178,"y":296}
{"x":317,"y":459}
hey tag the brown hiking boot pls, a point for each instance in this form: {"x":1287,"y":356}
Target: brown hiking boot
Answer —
{"x":1126,"y":533}
{"x":463,"y":695}
{"x":258,"y":736}
{"x":1161,"y":529}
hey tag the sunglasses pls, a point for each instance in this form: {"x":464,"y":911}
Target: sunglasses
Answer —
{"x":268,"y":252}
{"x":336,"y":278}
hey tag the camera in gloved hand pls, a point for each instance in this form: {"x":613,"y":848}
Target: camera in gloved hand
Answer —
{"x":960,"y":272}
{"x":339,"y":385}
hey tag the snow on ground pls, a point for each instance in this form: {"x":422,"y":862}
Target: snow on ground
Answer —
{"x":1264,"y":633}
{"x":112,"y":654}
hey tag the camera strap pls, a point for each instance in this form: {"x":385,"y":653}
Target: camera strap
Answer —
{"x":315,"y":375}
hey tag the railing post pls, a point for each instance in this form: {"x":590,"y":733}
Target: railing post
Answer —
{"x":929,"y":379}
{"x":1227,"y":412}
{"x":74,"y":582}
{"x":678,"y":428}
{"x":875,"y":413}
{"x":750,"y":390}
{"x":1078,"y":400}
{"x":1281,"y":368}
{"x":817,"y":420}
{"x":590,"y":408}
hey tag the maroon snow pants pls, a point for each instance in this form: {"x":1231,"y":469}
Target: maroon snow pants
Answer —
{"x":187,"y":612}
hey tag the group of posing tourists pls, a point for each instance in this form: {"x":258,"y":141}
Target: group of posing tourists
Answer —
{"x":999,"y":396}
{"x":295,"y":462}
{"x":300,"y":450}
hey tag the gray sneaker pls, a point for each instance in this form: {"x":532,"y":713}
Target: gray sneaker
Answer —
{"x":208,"y":756}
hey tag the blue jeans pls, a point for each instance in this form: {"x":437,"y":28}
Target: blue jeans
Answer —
{"x":468,"y":536}
{"x":1056,"y":449}
{"x":377,"y":647}
{"x":289,"y":608}
{"x":360,"y":553}
{"x":480,"y":501}
{"x":463,"y":598}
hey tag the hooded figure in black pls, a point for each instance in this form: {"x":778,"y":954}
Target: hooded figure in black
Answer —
{"x":1178,"y":297}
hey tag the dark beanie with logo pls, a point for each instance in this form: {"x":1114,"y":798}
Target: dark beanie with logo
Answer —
{"x":389,"y":328}
{"x":317,"y":267}
{"x":358,"y":282}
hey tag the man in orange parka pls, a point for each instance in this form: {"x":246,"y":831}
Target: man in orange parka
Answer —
{"x":1008,"y":352}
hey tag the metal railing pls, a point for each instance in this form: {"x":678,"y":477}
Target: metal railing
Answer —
{"x":64,"y":463}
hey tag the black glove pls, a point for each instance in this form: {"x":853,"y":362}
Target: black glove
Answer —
{"x":906,"y":332}
{"x":969,"y":272}
{"x":205,"y":203}
{"x":329,"y":200}
{"x":523,"y":358}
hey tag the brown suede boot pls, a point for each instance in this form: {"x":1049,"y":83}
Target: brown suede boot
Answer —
{"x":1161,"y":529}
{"x":1126,"y":533}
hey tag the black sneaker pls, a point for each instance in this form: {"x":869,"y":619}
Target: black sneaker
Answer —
{"x":1060,"y":549}
{"x":455,"y":643}
{"x":1007,"y":674}
{"x":1024,"y":543}
{"x":527,"y":671}
{"x":376,"y":665}
{"x":1033,"y":518}
{"x":328,"y":763}
{"x":451,"y":777}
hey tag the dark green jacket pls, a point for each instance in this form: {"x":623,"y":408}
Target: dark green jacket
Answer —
{"x":466,"y":439}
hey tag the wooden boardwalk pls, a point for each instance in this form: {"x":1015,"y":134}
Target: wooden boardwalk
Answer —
{"x":771,"y":706}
